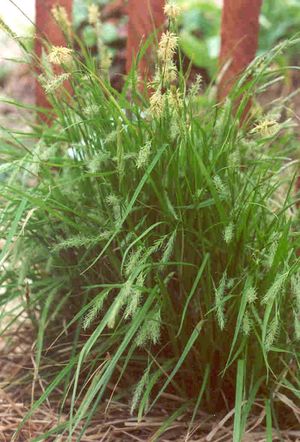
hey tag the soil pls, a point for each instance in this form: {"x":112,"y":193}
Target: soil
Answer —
{"x":113,"y":422}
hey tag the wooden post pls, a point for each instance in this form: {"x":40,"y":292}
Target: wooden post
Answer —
{"x":145,"y":17}
{"x":239,"y":39}
{"x":48,"y":30}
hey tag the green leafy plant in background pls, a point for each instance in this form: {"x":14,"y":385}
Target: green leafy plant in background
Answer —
{"x":109,"y":30}
{"x":200,"y":30}
{"x":80,"y":10}
{"x":200,"y":34}
{"x":278,"y":21}
{"x":152,"y":239}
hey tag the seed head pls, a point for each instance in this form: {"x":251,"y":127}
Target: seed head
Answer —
{"x":143,"y":155}
{"x":93,"y":14}
{"x":271,"y":253}
{"x":135,"y":297}
{"x":169,"y":72}
{"x":122,"y":298}
{"x":150,"y":330}
{"x":133,"y":261}
{"x":251,"y":294}
{"x":219,"y":295}
{"x":196,"y":87}
{"x":94,"y":164}
{"x":275,"y":288}
{"x":60,"y":55}
{"x":221,"y":188}
{"x":4,"y":27}
{"x":51,"y":84}
{"x":139,"y":390}
{"x":171,"y":10}
{"x":111,"y":137}
{"x":157,"y":103}
{"x":167,"y":46}
{"x":230,"y":283}
{"x":113,"y":201}
{"x":105,"y":60}
{"x":246,"y":324}
{"x":271,"y":333}
{"x":93,"y":312}
{"x":174,"y":129}
{"x":228,"y":233}
{"x":168,"y":250}
{"x":91,"y":110}
{"x":175,"y":101}
{"x":61,"y":16}
{"x":267,"y":128}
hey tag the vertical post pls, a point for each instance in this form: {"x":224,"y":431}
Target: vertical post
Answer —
{"x":47,"y":29}
{"x":239,"y":39}
{"x":145,"y":17}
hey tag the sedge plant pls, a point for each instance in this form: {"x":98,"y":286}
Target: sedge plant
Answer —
{"x":152,"y":239}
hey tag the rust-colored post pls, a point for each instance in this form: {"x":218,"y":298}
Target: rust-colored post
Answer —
{"x":145,"y":17}
{"x":48,"y":29}
{"x":239,"y":39}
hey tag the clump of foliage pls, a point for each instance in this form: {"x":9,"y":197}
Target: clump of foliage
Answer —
{"x":158,"y":231}
{"x":109,"y":30}
{"x":200,"y":31}
{"x":279,"y":21}
{"x":200,"y":34}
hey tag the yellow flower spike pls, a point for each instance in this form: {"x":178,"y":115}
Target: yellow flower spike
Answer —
{"x":93,"y":14}
{"x":167,"y":46}
{"x":266,"y":127}
{"x":61,"y":17}
{"x":60,"y":55}
{"x":52,"y":84}
{"x":157,"y":103}
{"x":172,"y":11}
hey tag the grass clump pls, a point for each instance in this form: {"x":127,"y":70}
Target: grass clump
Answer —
{"x":156,"y":237}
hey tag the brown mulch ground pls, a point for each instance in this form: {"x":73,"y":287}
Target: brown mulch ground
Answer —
{"x":113,"y":421}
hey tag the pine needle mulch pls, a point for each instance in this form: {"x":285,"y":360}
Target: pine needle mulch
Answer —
{"x":113,"y":423}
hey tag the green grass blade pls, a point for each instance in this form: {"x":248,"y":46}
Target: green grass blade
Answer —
{"x":237,"y":426}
